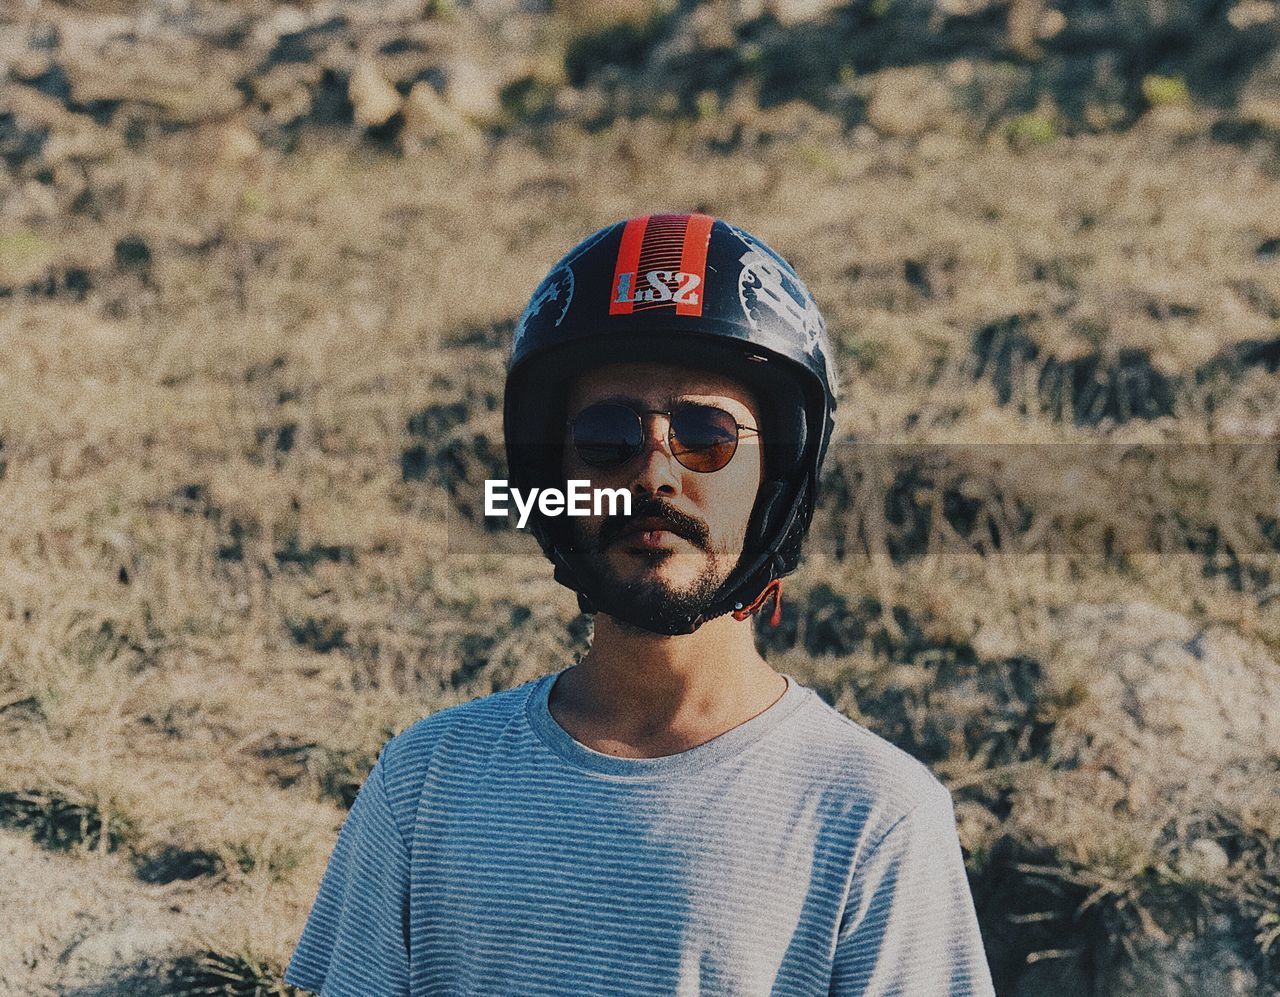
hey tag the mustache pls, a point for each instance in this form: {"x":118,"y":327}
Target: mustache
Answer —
{"x":681,"y":523}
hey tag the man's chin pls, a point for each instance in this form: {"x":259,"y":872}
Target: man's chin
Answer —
{"x":652,"y":606}
{"x":655,"y":594}
{"x":665,"y":569}
{"x":656,"y":588}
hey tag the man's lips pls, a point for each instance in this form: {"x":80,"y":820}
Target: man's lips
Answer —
{"x":651,"y":533}
{"x":652,"y":527}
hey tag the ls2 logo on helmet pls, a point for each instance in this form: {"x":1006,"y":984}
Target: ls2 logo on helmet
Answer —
{"x":658,"y":286}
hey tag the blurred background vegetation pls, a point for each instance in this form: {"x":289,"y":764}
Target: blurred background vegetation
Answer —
{"x":259,"y":267}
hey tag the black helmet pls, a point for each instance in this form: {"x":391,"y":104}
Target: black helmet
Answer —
{"x":698,"y":292}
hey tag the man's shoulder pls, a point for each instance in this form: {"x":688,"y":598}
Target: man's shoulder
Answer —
{"x":406,"y":756}
{"x":859,"y":765}
{"x":495,"y":709}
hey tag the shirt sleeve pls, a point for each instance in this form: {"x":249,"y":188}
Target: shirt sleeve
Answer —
{"x":909,"y":925}
{"x":355,"y":941}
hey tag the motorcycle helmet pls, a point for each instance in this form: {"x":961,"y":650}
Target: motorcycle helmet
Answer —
{"x":695,"y":291}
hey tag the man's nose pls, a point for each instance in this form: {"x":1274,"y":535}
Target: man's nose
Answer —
{"x":659,"y":472}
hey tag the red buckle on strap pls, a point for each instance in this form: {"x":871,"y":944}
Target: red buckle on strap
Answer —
{"x":774,"y":588}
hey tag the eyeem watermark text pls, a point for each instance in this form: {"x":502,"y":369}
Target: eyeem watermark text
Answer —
{"x":580,"y":499}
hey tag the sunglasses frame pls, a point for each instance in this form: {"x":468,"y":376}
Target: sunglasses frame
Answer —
{"x":670,"y":413}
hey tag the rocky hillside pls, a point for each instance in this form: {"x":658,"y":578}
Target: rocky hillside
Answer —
{"x":86,"y":79}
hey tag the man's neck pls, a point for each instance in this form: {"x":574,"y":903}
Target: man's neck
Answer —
{"x":637,"y":694}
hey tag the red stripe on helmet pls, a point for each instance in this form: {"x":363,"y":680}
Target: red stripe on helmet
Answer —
{"x":693,"y":260}
{"x":625,"y":270}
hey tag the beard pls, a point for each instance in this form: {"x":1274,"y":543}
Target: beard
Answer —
{"x":653,"y":605}
{"x":650,"y":604}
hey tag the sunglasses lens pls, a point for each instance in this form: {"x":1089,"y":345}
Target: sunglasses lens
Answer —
{"x":607,"y":435}
{"x":703,"y":438}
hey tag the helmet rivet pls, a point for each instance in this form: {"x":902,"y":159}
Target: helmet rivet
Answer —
{"x":737,"y":605}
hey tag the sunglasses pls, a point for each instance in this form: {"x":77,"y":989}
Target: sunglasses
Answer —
{"x":702,"y":438}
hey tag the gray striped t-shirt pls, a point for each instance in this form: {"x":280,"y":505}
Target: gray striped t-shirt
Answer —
{"x":489,"y":853}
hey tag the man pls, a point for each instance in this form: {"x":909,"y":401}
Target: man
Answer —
{"x":670,"y":815}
